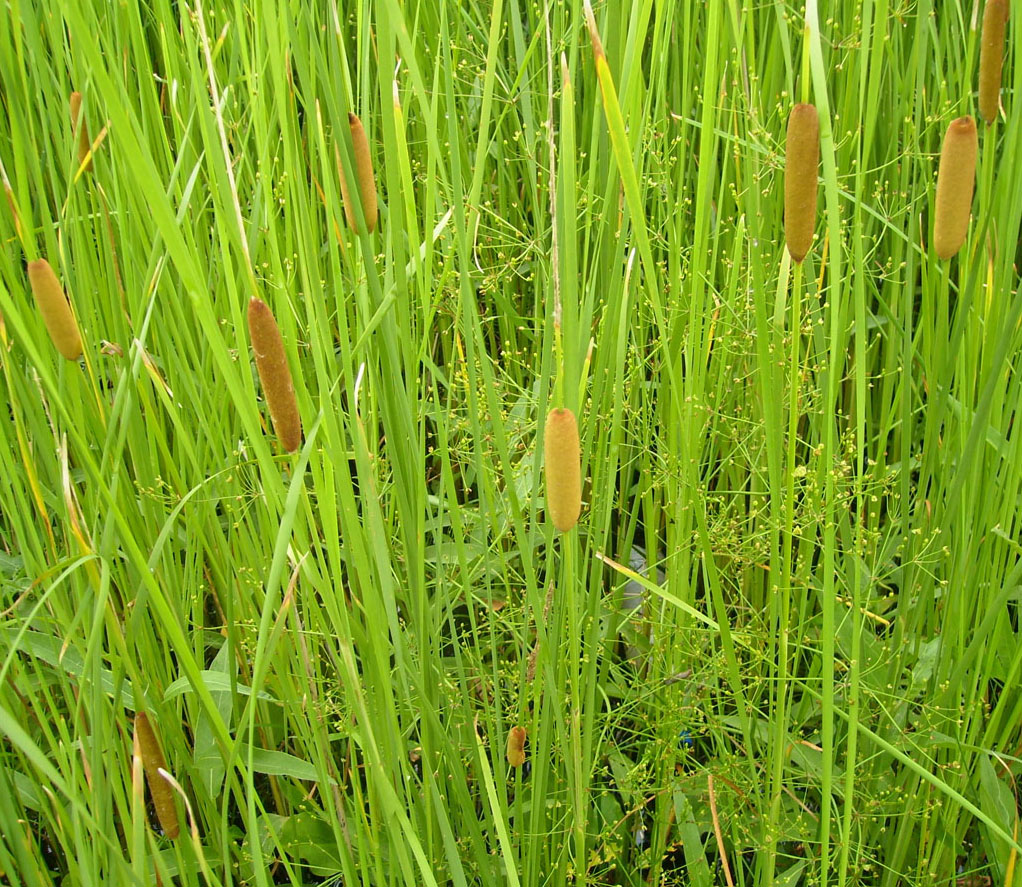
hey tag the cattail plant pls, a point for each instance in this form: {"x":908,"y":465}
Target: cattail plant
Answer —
{"x":364,"y":175}
{"x":955,"y":178}
{"x":516,"y":746}
{"x":274,"y":374}
{"x":80,"y":131}
{"x":563,"y":469}
{"x":54,"y":307}
{"x":801,"y":160}
{"x":148,"y":748}
{"x":995,"y":18}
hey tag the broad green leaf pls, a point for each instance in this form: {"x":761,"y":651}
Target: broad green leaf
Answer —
{"x":215,"y":682}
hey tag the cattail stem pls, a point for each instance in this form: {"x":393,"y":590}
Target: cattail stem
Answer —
{"x":80,"y":131}
{"x":801,"y":162}
{"x":956,"y":176}
{"x":991,"y":55}
{"x":55,"y":309}
{"x":159,"y":788}
{"x":365,"y":178}
{"x":563,"y":469}
{"x":274,"y":374}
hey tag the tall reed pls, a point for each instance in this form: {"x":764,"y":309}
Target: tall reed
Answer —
{"x":148,"y":748}
{"x":991,"y":54}
{"x":55,"y":309}
{"x":563,"y":469}
{"x":274,"y":374}
{"x":801,"y":161}
{"x":364,"y":176}
{"x":80,"y":131}
{"x":956,"y":176}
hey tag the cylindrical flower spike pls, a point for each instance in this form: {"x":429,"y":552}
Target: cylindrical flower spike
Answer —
{"x":54,"y":307}
{"x":274,"y":374}
{"x":991,"y":54}
{"x":563,"y":464}
{"x":801,"y":162}
{"x":956,"y":176}
{"x":80,"y":130}
{"x":516,"y":746}
{"x":159,"y":788}
{"x":364,"y":175}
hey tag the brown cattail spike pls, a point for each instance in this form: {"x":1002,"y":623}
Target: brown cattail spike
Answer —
{"x":563,"y":469}
{"x":80,"y":130}
{"x":516,"y":746}
{"x":54,"y":307}
{"x":159,"y":788}
{"x":801,"y":161}
{"x":274,"y":374}
{"x":995,"y":18}
{"x":955,"y":178}
{"x":364,"y":174}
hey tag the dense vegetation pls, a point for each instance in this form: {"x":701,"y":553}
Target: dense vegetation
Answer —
{"x":781,"y":643}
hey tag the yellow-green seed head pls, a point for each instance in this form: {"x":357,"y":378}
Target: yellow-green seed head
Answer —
{"x":516,"y":746}
{"x":563,"y":464}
